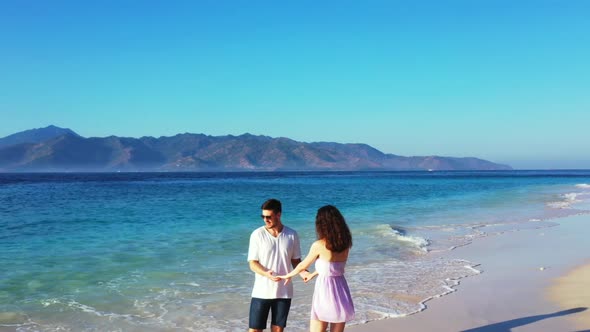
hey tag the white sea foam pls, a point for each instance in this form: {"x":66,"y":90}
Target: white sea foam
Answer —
{"x":566,"y":202}
{"x":48,"y":302}
{"x":400,"y":235}
{"x":406,"y":285}
{"x":473,"y":268}
{"x":583,"y":186}
{"x":193,"y":284}
{"x":414,"y":240}
{"x":91,"y":310}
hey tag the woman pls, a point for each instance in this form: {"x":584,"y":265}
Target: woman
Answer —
{"x":332,"y":304}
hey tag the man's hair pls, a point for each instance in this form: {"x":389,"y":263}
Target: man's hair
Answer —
{"x":272,"y":204}
{"x":331,"y":227}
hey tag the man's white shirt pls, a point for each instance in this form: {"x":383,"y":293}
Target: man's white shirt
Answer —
{"x":274,"y":253}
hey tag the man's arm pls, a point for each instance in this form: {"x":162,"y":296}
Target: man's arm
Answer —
{"x":295,"y":261}
{"x":256,"y":267}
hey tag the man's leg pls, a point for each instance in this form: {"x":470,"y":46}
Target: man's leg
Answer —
{"x":280,"y":312}
{"x":275,"y":328}
{"x":259,"y":309}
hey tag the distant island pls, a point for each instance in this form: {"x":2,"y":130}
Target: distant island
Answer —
{"x":55,"y":149}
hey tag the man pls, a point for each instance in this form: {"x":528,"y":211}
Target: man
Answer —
{"x":274,"y":250}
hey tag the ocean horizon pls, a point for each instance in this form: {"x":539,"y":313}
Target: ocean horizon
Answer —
{"x":167,"y":251}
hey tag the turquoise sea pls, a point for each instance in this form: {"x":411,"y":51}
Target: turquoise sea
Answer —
{"x":167,"y":251}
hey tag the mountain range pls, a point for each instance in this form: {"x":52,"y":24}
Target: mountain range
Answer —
{"x":55,"y":149}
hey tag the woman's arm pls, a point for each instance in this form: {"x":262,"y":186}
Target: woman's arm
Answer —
{"x":310,"y":276}
{"x":314,"y":252}
{"x":305,"y":273}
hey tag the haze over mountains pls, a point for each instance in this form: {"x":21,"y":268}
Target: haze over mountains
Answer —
{"x":54,"y":149}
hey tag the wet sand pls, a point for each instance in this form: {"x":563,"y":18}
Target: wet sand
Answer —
{"x":513,"y":293}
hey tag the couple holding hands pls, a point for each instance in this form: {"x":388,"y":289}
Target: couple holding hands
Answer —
{"x":274,"y":254}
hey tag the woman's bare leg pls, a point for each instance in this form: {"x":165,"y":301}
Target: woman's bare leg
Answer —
{"x":337,"y":327}
{"x":317,"y":326}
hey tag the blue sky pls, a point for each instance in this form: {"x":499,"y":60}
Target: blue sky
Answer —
{"x":507,"y":81}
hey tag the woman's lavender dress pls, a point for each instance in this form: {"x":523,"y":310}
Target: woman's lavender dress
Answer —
{"x":331,"y":298}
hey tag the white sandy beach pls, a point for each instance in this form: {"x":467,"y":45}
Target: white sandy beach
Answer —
{"x":572,"y":291}
{"x":532,"y":280}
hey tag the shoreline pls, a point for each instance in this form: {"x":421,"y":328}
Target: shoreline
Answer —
{"x":511,"y":294}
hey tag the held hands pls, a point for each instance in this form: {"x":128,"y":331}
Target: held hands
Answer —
{"x":270,"y":275}
{"x":305,"y":275}
{"x":308,"y":276}
{"x":287,"y":278}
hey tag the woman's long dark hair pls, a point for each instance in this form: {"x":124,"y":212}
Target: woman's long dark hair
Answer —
{"x":331,"y":227}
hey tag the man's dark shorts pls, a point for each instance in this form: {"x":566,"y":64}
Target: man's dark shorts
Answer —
{"x":259,"y":309}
